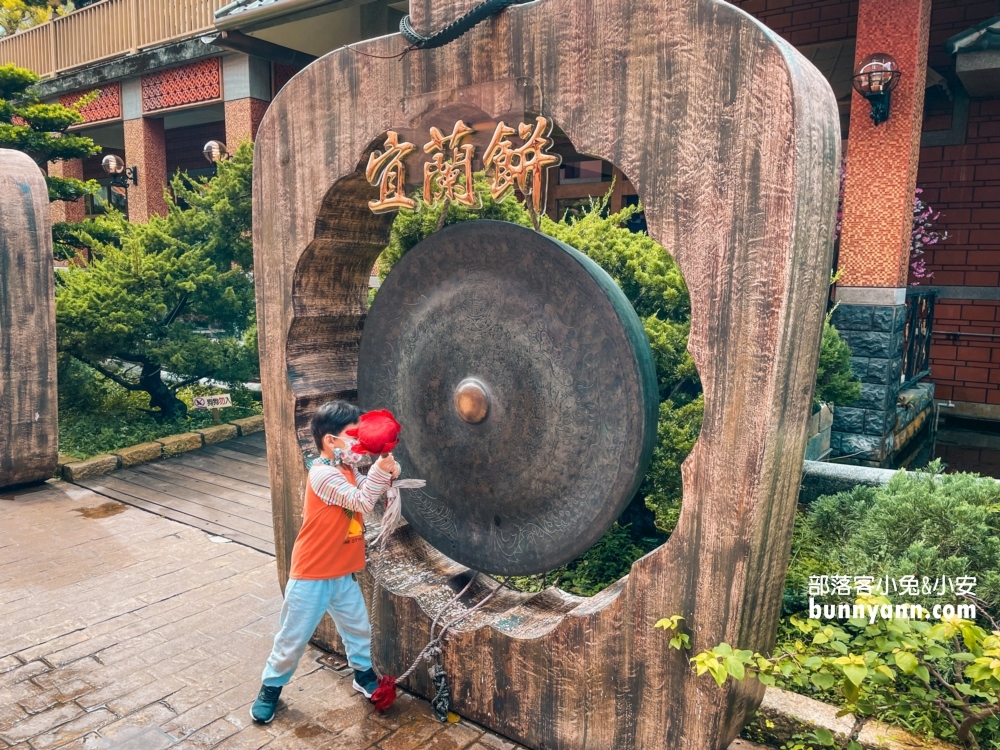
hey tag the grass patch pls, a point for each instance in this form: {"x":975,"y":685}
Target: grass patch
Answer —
{"x":97,"y":416}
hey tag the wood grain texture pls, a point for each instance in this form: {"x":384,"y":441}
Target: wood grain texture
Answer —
{"x":731,"y":140}
{"x":29,"y":433}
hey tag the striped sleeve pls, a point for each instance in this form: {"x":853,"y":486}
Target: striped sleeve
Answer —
{"x":333,"y":488}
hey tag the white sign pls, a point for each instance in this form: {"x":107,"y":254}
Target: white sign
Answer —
{"x":212,"y":402}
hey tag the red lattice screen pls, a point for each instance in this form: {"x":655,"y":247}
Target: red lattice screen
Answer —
{"x":188,"y":84}
{"x":281,"y":75}
{"x":107,"y":105}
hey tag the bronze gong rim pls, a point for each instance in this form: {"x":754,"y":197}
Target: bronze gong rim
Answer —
{"x":526,"y":389}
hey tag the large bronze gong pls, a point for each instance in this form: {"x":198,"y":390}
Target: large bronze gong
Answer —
{"x":526,"y":389}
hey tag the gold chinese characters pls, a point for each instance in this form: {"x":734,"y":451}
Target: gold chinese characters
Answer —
{"x":448,"y":173}
{"x":386,"y":170}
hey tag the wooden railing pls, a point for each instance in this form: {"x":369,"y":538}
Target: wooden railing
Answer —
{"x":105,"y":30}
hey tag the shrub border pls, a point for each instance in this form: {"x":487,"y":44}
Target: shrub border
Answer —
{"x":164,"y":447}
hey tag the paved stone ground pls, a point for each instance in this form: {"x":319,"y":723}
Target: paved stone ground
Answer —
{"x":122,"y":630}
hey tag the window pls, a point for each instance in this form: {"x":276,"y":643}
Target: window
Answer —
{"x":584,"y":170}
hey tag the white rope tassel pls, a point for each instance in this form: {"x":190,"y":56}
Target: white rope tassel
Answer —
{"x":394,"y":508}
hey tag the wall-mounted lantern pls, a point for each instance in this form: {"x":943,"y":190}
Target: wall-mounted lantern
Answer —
{"x":215,"y":151}
{"x":874,"y":79}
{"x":120,"y":176}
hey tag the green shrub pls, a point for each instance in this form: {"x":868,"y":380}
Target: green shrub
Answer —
{"x":836,"y":382}
{"x":922,"y":523}
{"x":174,"y":294}
{"x":98,"y":416}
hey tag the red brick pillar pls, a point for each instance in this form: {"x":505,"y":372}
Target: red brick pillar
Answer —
{"x":67,"y":210}
{"x":882,"y":160}
{"x":875,"y":239}
{"x":243,"y":117}
{"x":145,"y":148}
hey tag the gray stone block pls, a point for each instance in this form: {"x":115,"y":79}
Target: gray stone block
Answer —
{"x":873,"y":396}
{"x":835,"y":438}
{"x":877,"y":422}
{"x":879,"y":371}
{"x":853,"y":317}
{"x":884,"y":318}
{"x":869,"y":343}
{"x":848,"y":419}
{"x":860,"y":367}
{"x":861,"y":446}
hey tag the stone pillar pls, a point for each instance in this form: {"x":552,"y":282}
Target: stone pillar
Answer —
{"x":247,"y":90}
{"x":877,"y":220}
{"x":67,"y":210}
{"x":145,"y":148}
{"x":243,"y":117}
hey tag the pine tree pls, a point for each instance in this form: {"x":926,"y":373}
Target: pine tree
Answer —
{"x":169,"y":302}
{"x":42,"y":131}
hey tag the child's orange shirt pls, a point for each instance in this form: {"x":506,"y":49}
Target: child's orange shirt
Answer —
{"x":331,"y":542}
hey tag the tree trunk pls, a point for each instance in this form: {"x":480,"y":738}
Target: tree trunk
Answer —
{"x":160,"y":396}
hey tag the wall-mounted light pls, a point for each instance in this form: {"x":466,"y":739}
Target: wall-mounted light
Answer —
{"x":874,"y":79}
{"x":215,"y":151}
{"x":120,"y":176}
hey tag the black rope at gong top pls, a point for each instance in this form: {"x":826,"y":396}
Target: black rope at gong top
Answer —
{"x":456,"y":28}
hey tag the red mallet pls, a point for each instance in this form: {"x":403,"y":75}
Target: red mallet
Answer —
{"x":385,"y":693}
{"x":377,"y":433}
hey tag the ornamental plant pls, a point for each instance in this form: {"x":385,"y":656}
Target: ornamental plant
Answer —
{"x":939,"y":678}
{"x":42,"y":131}
{"x":923,"y":235}
{"x":171,"y":301}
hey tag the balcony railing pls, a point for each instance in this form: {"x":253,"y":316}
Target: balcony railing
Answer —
{"x":917,"y":335}
{"x":107,"y":29}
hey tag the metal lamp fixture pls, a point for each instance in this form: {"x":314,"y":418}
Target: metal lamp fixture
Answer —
{"x":874,"y":79}
{"x":120,"y":175}
{"x":215,"y":151}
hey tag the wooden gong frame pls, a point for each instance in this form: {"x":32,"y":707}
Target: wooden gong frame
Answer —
{"x":732,"y":141}
{"x":29,"y":432}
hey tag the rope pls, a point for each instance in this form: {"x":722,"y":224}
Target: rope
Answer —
{"x":433,"y":648}
{"x":456,"y":28}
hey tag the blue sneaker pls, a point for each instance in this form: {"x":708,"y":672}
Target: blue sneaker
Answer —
{"x":262,"y":710}
{"x":365,"y":682}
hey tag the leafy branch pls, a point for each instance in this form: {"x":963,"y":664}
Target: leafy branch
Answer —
{"x":877,"y":668}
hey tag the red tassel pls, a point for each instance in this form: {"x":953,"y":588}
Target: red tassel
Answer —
{"x":385,"y":693}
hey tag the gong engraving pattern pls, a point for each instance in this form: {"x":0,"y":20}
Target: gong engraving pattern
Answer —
{"x":563,"y":445}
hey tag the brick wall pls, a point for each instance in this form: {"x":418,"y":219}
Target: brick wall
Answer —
{"x":964,"y":367}
{"x":809,"y":22}
{"x":963,"y":183}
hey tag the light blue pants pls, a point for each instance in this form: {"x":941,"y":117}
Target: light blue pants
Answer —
{"x":305,"y":603}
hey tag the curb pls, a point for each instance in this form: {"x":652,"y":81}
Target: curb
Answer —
{"x":783,"y":714}
{"x":164,"y":447}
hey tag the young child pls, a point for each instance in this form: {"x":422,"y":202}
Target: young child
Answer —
{"x":329,"y":549}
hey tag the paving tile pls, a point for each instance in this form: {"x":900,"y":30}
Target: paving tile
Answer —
{"x":141,"y":618}
{"x":152,"y":692}
{"x":65,"y":693}
{"x":116,"y":688}
{"x":31,"y":726}
{"x":208,"y":736}
{"x":410,"y":737}
{"x":72,"y":730}
{"x":24,"y":672}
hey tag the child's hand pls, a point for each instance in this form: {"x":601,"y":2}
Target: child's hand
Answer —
{"x":388,"y":464}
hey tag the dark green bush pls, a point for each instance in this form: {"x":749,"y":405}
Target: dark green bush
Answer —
{"x":921,"y":523}
{"x":836,"y":382}
{"x":98,"y":416}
